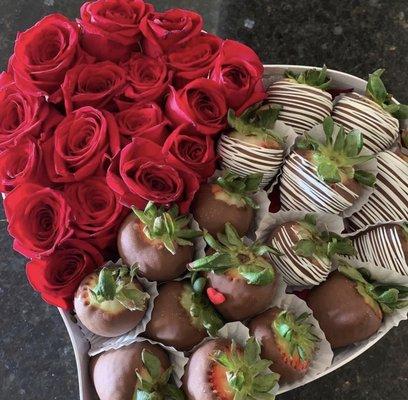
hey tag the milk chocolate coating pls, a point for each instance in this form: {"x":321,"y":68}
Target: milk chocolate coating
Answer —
{"x":171,"y":324}
{"x":103,"y":322}
{"x":156,"y":263}
{"x":212,"y":214}
{"x":342,"y":312}
{"x":196,"y":383}
{"x":260,"y":327}
{"x":113,"y":372}
{"x":242,"y":299}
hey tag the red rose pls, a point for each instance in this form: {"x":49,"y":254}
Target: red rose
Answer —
{"x":93,"y":85}
{"x":110,"y":28}
{"x":96,"y":213}
{"x":21,"y":164}
{"x":140,"y":173}
{"x":58,"y":276}
{"x":147,"y":80}
{"x":21,"y":115}
{"x":194,"y":59}
{"x":38,"y":219}
{"x":43,"y":54}
{"x":201,"y":103}
{"x":194,"y":151}
{"x":81,"y":144}
{"x":162,"y":30}
{"x":239,"y":71}
{"x":142,"y":120}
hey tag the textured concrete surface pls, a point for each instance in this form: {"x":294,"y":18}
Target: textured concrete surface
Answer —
{"x":36,"y":358}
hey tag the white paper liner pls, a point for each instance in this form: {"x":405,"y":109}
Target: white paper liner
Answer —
{"x":99,"y":344}
{"x":199,"y":243}
{"x":243,"y":158}
{"x":325,"y":221}
{"x":323,"y":356}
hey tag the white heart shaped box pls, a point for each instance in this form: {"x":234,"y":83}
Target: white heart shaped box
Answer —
{"x":81,"y":345}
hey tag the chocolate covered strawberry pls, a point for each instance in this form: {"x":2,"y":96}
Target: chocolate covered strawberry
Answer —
{"x":287,"y":340}
{"x":159,"y":241}
{"x":241,"y":282}
{"x":374,"y":114}
{"x":325,"y":174}
{"x":307,"y":251}
{"x":112,"y":302}
{"x":222,"y":370}
{"x":182,"y":316}
{"x":255,"y":144}
{"x":303,"y":97}
{"x":350,"y":305}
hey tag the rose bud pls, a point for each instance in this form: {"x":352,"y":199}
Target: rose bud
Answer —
{"x":201,"y":103}
{"x":389,"y":201}
{"x":193,"y":150}
{"x":159,"y":241}
{"x":43,"y":54}
{"x":374,"y":114}
{"x":287,"y":340}
{"x":227,"y":199}
{"x":221,"y":369}
{"x":240,"y":272}
{"x":256,"y":143}
{"x":57,"y":276}
{"x":19,"y":164}
{"x":163,"y":30}
{"x":93,"y":85}
{"x":147,"y":79}
{"x":82,"y":142}
{"x":140,"y":173}
{"x":138,"y":371}
{"x":96,"y":211}
{"x":350,"y":305}
{"x":303,"y":97}
{"x":182,"y":316}
{"x":385,"y":246}
{"x":110,"y":28}
{"x":325,"y":175}
{"x":39,"y":219}
{"x":239,"y":71}
{"x":307,"y":251}
{"x":111,"y":302}
{"x":193,"y":59}
{"x":145,"y":120}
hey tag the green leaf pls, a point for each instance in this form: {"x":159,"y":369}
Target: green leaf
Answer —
{"x":252,"y":350}
{"x":329,"y":173}
{"x":311,"y":219}
{"x":265,"y":383}
{"x":141,"y":395}
{"x":328,"y":127}
{"x":352,"y":273}
{"x":305,"y":248}
{"x":152,"y":364}
{"x":402,"y":112}
{"x":340,"y":141}
{"x":365,"y":178}
{"x":354,"y":143}
{"x":236,"y":380}
{"x":132,"y":298}
{"x":256,"y":275}
{"x":375,"y":87}
{"x":342,"y":247}
{"x":311,"y":77}
{"x":232,"y":235}
{"x":199,"y":285}
{"x":174,"y":393}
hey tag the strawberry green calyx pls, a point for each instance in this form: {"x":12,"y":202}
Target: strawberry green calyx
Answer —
{"x":247,"y":374}
{"x":320,"y":244}
{"x":239,"y":187}
{"x":167,"y":226}
{"x":295,"y":336}
{"x":231,"y":253}
{"x":377,"y":92}
{"x":311,"y":77}
{"x":257,"y":122}
{"x":152,"y":383}
{"x":337,"y":158}
{"x":117,"y":284}
{"x":388,"y":297}
{"x":200,"y":309}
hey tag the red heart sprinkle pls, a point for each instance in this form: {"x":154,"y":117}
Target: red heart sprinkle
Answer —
{"x":215,"y":296}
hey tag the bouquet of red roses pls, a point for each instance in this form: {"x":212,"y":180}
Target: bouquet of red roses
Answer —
{"x":116,"y":109}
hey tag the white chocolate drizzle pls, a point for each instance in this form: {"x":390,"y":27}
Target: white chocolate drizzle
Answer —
{"x":304,"y":106}
{"x":297,"y":271}
{"x":382,"y":247}
{"x":301,"y":189}
{"x":244,"y":158}
{"x":379,"y":128}
{"x":389,"y":201}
